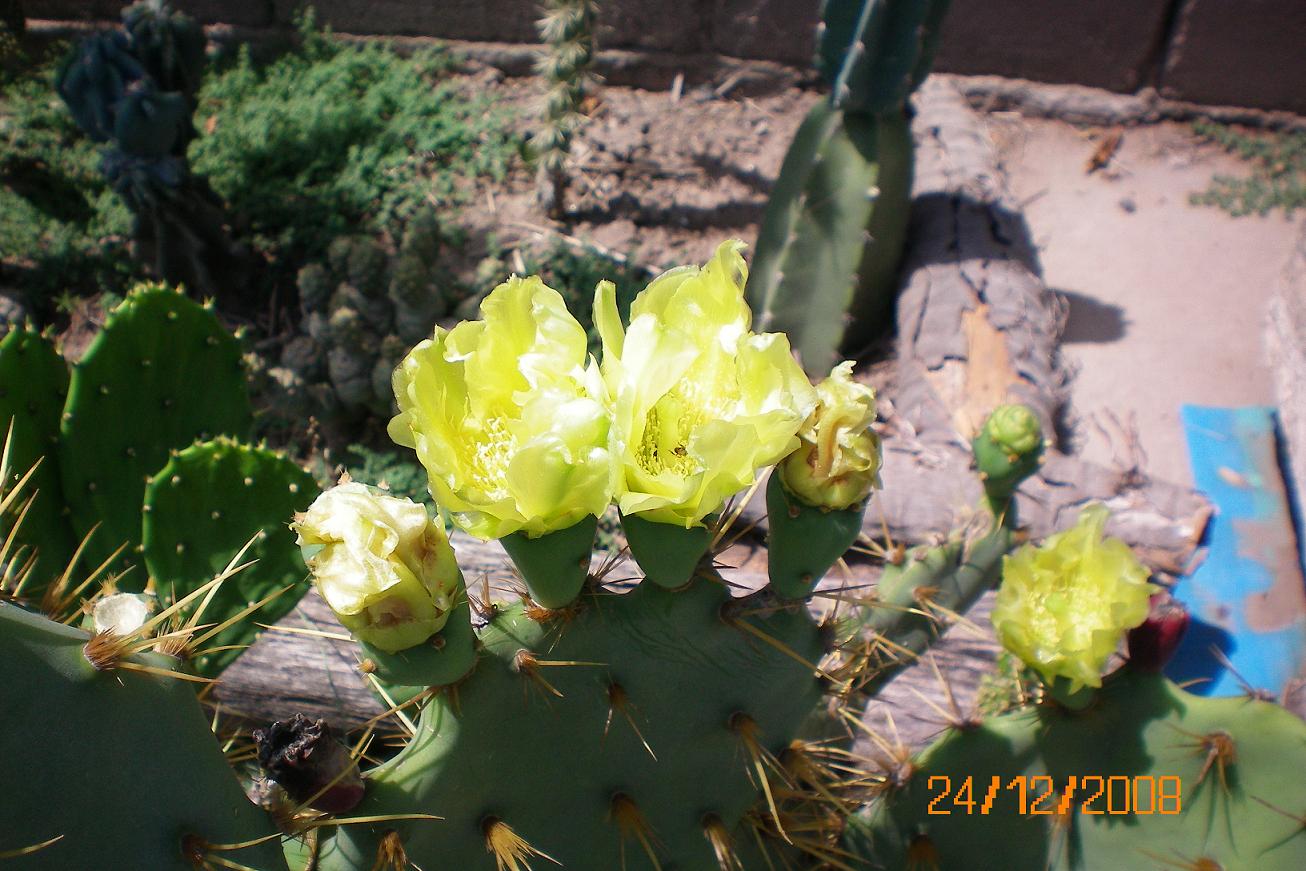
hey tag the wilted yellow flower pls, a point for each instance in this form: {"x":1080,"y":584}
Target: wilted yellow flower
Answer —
{"x":837,"y":462}
{"x":506,"y":414}
{"x":700,"y":403}
{"x":382,"y":565}
{"x":1063,"y":607}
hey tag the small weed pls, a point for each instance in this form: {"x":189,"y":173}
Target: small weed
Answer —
{"x":1278,"y":171}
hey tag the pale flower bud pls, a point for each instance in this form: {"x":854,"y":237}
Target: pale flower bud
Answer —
{"x":837,"y":463}
{"x":382,"y":565}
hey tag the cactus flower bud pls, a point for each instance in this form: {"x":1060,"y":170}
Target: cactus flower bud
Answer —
{"x":837,"y":463}
{"x":1154,"y":641}
{"x":507,"y":414}
{"x":1063,"y":606}
{"x":1008,"y":449}
{"x":700,"y":403}
{"x":382,"y":565}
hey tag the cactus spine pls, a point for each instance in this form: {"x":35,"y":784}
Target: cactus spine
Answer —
{"x":830,"y":242}
{"x":567,"y":29}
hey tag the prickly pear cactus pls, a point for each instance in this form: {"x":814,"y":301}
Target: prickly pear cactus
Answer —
{"x":162,"y":373}
{"x":117,"y":768}
{"x":33,"y":384}
{"x":200,"y":510}
{"x":1146,"y":776}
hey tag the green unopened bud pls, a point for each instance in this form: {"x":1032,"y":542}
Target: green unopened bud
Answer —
{"x":1064,"y":606}
{"x":837,"y":463}
{"x":382,"y":565}
{"x":1008,"y":449}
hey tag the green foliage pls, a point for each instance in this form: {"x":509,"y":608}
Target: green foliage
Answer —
{"x":61,"y":226}
{"x":1278,"y":171}
{"x":335,"y":139}
{"x":397,"y":469}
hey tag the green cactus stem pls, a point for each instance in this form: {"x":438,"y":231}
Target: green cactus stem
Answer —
{"x":555,"y":565}
{"x":668,"y":554}
{"x":567,"y":29}
{"x":805,"y":542}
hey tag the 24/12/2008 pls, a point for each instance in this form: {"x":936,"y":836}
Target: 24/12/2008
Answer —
{"x":1038,"y":795}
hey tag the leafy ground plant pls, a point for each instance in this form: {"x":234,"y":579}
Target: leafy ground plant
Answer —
{"x":61,"y":227}
{"x":335,"y":138}
{"x":1278,"y":171}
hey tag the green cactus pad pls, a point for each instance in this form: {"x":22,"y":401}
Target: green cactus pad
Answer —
{"x":805,"y":541}
{"x":828,"y":249}
{"x":667,"y":554}
{"x":684,"y":679}
{"x":33,"y":384}
{"x":121,"y":764}
{"x":1242,"y":813}
{"x":201,"y":509}
{"x":554,"y":566}
{"x":162,"y":373}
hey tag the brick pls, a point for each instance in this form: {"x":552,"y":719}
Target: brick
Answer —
{"x":1244,"y":53}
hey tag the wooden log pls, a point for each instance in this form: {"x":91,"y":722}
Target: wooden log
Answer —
{"x":977,"y":327}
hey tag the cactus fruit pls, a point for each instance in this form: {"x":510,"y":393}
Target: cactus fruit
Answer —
{"x":834,"y":230}
{"x":132,"y":397}
{"x":1146,"y":776}
{"x":200,"y":509}
{"x":567,"y":29}
{"x":33,"y":384}
{"x":112,"y":768}
{"x":1008,"y":448}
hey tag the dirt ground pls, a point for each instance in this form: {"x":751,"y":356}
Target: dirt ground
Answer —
{"x":1166,"y":300}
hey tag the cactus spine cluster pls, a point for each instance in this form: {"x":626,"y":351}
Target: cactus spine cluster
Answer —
{"x":834,"y":230}
{"x":135,"y":91}
{"x":120,"y":480}
{"x":567,"y":29}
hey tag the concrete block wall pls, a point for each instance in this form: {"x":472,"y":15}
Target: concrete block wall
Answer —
{"x":1224,"y":52}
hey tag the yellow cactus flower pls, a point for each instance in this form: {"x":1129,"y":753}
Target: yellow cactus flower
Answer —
{"x":382,"y":565}
{"x":700,"y":402}
{"x":837,"y":462}
{"x":507,"y":415}
{"x":1063,"y":607}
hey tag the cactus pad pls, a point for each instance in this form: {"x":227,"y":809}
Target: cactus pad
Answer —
{"x":655,"y":690}
{"x":201,"y":508}
{"x":150,"y":779}
{"x":33,"y":383}
{"x":162,"y":373}
{"x":1194,"y":783}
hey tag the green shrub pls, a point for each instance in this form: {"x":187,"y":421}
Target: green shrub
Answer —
{"x":335,"y":139}
{"x":62,"y":229}
{"x":1278,"y":171}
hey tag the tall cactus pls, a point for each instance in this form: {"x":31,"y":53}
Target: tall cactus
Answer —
{"x":134,"y":90}
{"x":567,"y":30}
{"x":834,"y":230}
